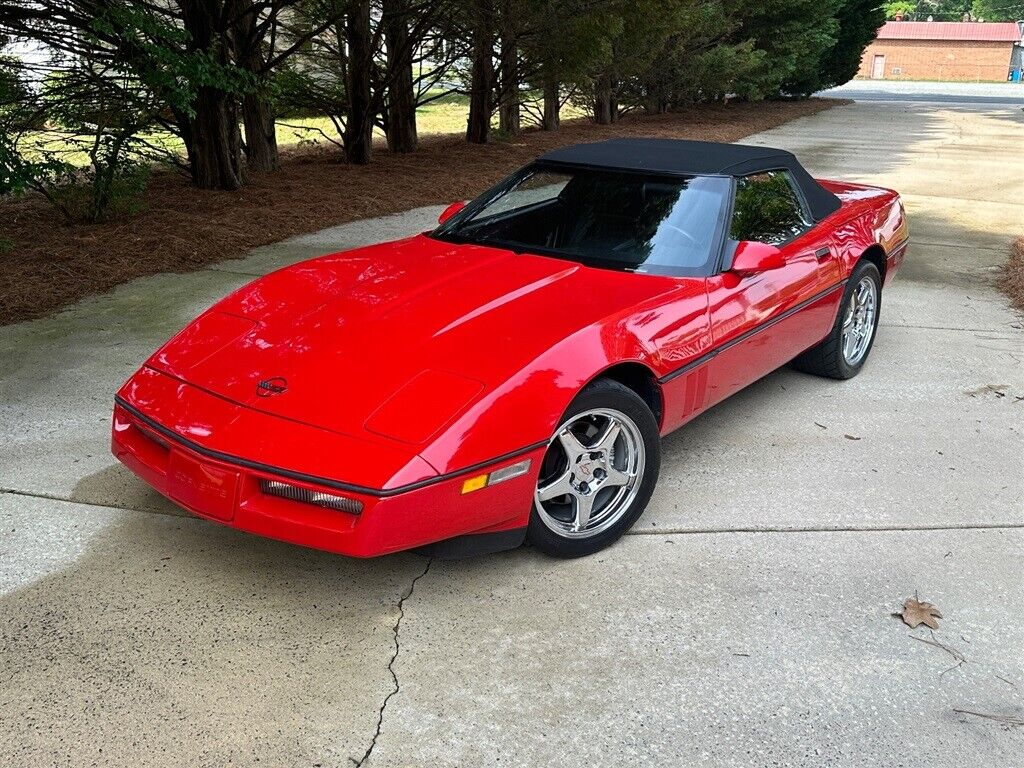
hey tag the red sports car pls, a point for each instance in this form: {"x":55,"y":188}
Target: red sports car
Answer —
{"x":508,"y":374}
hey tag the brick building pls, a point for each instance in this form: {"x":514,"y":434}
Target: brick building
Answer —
{"x":941,"y":50}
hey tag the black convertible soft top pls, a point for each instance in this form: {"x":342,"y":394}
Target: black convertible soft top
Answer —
{"x":696,"y":158}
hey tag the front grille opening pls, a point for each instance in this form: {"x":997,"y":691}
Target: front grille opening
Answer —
{"x":306,"y":496}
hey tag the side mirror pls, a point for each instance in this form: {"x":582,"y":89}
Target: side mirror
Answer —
{"x":450,"y":211}
{"x":752,"y":256}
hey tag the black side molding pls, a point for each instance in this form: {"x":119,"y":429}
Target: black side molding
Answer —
{"x":744,"y":336}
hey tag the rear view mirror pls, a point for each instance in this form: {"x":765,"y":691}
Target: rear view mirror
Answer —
{"x":450,"y":211}
{"x":752,"y":256}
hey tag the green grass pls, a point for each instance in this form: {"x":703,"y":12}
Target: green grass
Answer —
{"x":434,"y":118}
{"x":444,"y":116}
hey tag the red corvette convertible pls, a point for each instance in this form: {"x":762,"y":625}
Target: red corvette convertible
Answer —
{"x":508,"y":374}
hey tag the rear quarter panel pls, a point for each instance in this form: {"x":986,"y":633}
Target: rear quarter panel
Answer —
{"x":868,"y":216}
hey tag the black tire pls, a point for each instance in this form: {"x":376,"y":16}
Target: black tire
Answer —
{"x":827,"y":358}
{"x":605,"y":395}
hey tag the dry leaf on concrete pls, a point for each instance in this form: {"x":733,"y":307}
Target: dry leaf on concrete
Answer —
{"x":915,"y":613}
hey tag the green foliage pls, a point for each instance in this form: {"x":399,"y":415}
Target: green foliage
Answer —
{"x":998,"y":10}
{"x":665,"y":54}
{"x":111,"y":184}
{"x":88,"y":111}
{"x":20,"y":172}
{"x":160,"y":56}
{"x":696,"y":60}
{"x":903,"y":8}
{"x":859,"y":21}
{"x":582,"y":45}
{"x":938,"y":10}
{"x":808,"y":45}
{"x":795,"y":35}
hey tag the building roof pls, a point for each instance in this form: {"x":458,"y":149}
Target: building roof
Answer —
{"x":694,"y":158}
{"x":1003,"y":31}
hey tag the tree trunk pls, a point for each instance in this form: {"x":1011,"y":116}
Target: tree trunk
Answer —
{"x":551,"y":105}
{"x":508,"y":102}
{"x":216,"y":143}
{"x":401,"y":113}
{"x":605,"y":108}
{"x":257,"y":115}
{"x":359,"y":121}
{"x":478,"y":129}
{"x":212,"y":134}
{"x":260,"y":133}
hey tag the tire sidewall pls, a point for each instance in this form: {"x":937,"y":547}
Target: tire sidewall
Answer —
{"x":605,"y":394}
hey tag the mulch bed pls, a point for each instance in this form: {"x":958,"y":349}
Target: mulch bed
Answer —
{"x":51,"y":265}
{"x":1013,"y":274}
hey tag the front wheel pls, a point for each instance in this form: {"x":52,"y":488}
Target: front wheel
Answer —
{"x":843,"y":352}
{"x":598,"y":473}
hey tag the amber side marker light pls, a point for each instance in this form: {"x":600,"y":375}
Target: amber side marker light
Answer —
{"x":316,"y":498}
{"x":477,"y":482}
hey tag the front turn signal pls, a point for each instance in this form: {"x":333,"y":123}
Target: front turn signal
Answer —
{"x":495,"y":477}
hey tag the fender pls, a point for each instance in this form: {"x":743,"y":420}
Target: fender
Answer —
{"x":524,"y":411}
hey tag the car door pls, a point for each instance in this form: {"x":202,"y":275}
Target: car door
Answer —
{"x":761,"y":321}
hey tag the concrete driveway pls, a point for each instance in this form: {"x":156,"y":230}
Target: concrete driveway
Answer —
{"x":746,"y":622}
{"x":1007,"y":94}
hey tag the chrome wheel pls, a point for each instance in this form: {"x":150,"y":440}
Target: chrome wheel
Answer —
{"x":859,"y":323}
{"x":590,"y":474}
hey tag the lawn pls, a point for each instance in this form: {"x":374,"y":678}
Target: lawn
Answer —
{"x":443,"y":116}
{"x":438,"y":117}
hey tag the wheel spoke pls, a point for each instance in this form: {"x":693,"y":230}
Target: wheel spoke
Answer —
{"x":583,"y":504}
{"x":617,"y":477}
{"x":558,"y":487}
{"x":606,"y":442}
{"x":862,"y":292}
{"x":571,"y":445}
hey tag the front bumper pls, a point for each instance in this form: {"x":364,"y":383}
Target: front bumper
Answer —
{"x":229,"y":491}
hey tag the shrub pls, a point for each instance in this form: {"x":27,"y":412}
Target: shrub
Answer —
{"x":76,"y":140}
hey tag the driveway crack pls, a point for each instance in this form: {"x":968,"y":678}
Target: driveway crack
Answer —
{"x":391,"y":667}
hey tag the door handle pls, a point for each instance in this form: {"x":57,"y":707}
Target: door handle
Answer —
{"x":822,"y":253}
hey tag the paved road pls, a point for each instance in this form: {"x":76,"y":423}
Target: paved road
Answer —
{"x":746,"y":622}
{"x":1006,"y":94}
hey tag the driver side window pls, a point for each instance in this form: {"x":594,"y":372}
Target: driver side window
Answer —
{"x":767,"y":209}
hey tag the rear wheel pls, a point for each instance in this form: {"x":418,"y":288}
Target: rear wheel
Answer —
{"x":843,"y":352}
{"x":598,"y":473}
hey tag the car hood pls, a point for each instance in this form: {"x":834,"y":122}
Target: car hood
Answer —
{"x":419,"y":326}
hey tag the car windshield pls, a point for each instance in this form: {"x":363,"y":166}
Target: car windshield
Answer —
{"x":630,"y":221}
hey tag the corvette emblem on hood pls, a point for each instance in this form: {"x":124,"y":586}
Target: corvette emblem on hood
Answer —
{"x":275,"y":386}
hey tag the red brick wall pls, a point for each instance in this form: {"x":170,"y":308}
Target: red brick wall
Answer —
{"x":939,"y":60}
